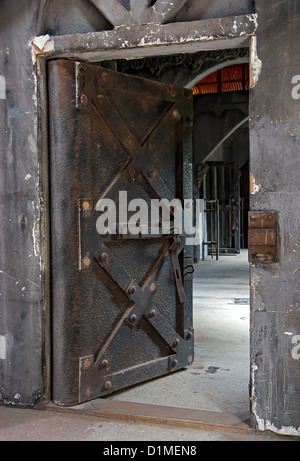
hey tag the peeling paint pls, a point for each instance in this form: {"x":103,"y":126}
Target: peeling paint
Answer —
{"x":255,"y":62}
{"x":42,"y":44}
{"x":268,"y":426}
{"x":254,"y":188}
{"x":36,"y":237}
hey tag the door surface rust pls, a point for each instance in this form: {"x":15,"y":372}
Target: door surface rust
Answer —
{"x":121,"y":302}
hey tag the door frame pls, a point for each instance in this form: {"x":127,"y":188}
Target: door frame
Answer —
{"x":122,"y":43}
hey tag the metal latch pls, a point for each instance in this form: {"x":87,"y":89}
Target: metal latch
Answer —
{"x":262,"y":237}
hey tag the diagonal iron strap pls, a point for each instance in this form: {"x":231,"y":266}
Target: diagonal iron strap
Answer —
{"x":141,"y":297}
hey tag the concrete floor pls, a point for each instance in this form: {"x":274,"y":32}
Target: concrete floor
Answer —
{"x":217,"y":381}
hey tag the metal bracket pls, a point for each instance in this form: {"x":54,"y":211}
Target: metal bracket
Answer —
{"x":262,"y":237}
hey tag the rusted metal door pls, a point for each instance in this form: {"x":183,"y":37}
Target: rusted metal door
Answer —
{"x":122,"y":303}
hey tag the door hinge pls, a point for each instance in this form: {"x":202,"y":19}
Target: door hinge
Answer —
{"x":262,"y":237}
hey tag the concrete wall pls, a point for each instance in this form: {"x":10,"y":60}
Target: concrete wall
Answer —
{"x":275,"y":166}
{"x":21,"y":272}
{"x":24,"y":265}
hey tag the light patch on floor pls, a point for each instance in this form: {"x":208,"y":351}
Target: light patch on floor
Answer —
{"x":222,"y":352}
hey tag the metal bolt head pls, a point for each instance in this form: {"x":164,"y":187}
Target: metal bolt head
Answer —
{"x":175,"y":342}
{"x":133,"y":318}
{"x":86,"y":261}
{"x":172,"y":92}
{"x":104,"y":363}
{"x":88,"y":392}
{"x":151,"y":174}
{"x":130,"y":143}
{"x":101,"y":98}
{"x":86,"y":363}
{"x":108,"y":385}
{"x":132,"y":290}
{"x":84,"y":99}
{"x":153,"y":287}
{"x":152,"y":313}
{"x":176,"y":113}
{"x":105,"y":76}
{"x":85,"y":206}
{"x":131,"y":172}
{"x":104,"y":257}
{"x":174,"y":363}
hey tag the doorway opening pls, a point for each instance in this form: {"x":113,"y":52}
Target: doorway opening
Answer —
{"x":218,"y":380}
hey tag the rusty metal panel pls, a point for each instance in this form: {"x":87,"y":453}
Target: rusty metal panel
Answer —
{"x":262,"y":237}
{"x":122,"y":304}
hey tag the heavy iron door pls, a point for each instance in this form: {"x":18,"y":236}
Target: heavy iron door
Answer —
{"x":122,"y":303}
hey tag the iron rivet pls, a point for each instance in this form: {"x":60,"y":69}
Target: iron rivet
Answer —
{"x":133,"y":318}
{"x":175,"y":342}
{"x":105,"y":76}
{"x":130,"y":143}
{"x":100,"y":97}
{"x":175,"y":113}
{"x":131,"y":172}
{"x":189,"y":335}
{"x":104,"y":363}
{"x":85,"y":205}
{"x":86,"y":363}
{"x":152,"y":286}
{"x":151,"y":174}
{"x":84,"y":99}
{"x":152,"y":313}
{"x":174,"y":363}
{"x":104,"y":257}
{"x":108,"y":385}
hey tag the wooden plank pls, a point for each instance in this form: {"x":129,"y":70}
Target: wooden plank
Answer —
{"x":156,"y":414}
{"x":262,"y":219}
